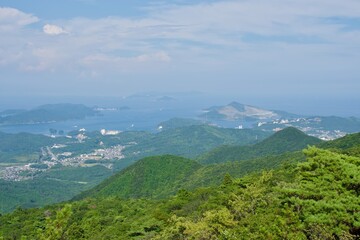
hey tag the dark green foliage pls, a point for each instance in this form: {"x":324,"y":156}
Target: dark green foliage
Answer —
{"x":287,"y":140}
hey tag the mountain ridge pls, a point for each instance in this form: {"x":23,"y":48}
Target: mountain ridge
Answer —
{"x":286,"y":140}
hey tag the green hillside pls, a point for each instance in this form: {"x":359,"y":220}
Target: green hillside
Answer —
{"x":141,"y":180}
{"x":162,"y":176}
{"x":317,"y":199}
{"x":191,"y":141}
{"x":346,"y":142}
{"x":150,"y":177}
{"x":287,"y":140}
{"x":213,"y":174}
{"x":23,"y":147}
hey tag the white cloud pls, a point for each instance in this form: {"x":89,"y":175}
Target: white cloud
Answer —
{"x":53,"y":29}
{"x":11,"y":19}
{"x":193,"y":38}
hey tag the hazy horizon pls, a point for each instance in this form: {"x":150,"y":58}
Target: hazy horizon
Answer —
{"x":344,"y":107}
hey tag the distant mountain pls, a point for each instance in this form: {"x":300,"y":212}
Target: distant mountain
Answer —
{"x":287,"y":140}
{"x":49,"y":113}
{"x":150,"y":177}
{"x":191,"y":141}
{"x":238,"y":111}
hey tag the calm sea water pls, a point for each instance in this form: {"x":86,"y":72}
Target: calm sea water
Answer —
{"x":147,"y":111}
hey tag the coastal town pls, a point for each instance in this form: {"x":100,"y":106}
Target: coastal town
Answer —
{"x":310,"y":126}
{"x":49,"y":159}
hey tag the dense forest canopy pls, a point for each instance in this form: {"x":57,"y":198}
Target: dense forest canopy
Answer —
{"x":315,"y":199}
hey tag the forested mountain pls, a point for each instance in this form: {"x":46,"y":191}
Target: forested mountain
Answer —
{"x":191,"y":141}
{"x":317,"y":199}
{"x":162,"y":176}
{"x":152,"y":177}
{"x":287,"y":140}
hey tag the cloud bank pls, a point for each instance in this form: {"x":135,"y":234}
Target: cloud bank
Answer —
{"x":11,"y":19}
{"x":275,"y":43}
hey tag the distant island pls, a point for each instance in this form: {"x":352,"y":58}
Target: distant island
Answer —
{"x":237,"y":111}
{"x":323,"y":127}
{"x":46,"y":114}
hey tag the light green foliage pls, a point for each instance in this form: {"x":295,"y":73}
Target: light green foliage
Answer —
{"x":326,"y":193}
{"x":55,"y":229}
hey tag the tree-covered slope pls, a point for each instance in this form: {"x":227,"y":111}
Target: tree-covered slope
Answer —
{"x":162,"y":176}
{"x":152,"y":177}
{"x":191,"y":141}
{"x":287,"y":140}
{"x":213,"y":174}
{"x":318,"y":199}
{"x":346,"y":142}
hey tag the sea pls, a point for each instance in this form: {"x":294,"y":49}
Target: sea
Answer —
{"x":145,"y":112}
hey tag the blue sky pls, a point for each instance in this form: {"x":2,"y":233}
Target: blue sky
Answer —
{"x":245,"y":47}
